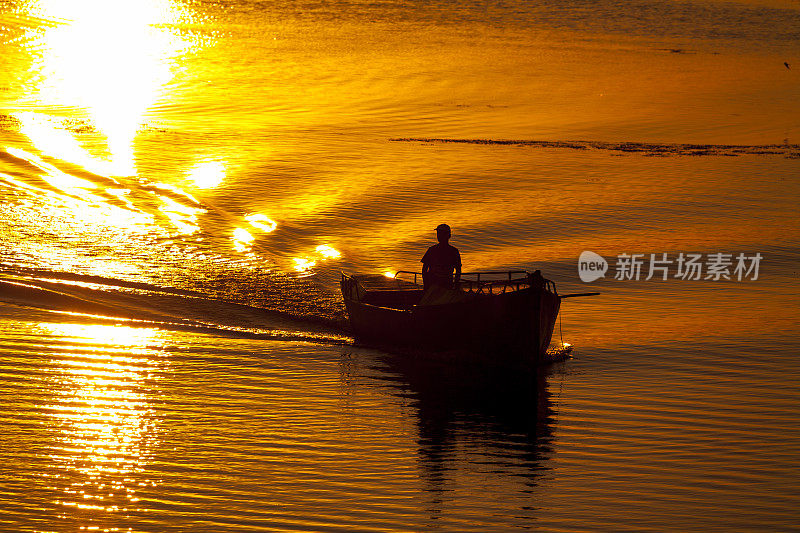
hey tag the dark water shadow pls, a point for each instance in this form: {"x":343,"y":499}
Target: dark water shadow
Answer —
{"x":789,"y":151}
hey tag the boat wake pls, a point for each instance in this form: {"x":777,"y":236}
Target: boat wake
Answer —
{"x":134,"y":248}
{"x":138,"y":304}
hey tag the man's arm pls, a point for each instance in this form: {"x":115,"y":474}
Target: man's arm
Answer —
{"x":457,"y":277}
{"x":426,"y":261}
{"x":426,"y":267}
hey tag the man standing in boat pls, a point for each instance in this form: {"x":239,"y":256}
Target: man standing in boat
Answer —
{"x":440,"y":261}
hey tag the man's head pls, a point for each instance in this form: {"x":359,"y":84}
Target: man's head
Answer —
{"x":443,"y":233}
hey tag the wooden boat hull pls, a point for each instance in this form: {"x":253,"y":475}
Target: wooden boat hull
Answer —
{"x":516,"y":324}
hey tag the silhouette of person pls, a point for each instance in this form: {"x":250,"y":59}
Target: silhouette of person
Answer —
{"x":440,"y":261}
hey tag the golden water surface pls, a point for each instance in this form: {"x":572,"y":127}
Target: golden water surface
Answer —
{"x":181,"y":184}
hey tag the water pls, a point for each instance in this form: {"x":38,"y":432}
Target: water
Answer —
{"x":183,"y":182}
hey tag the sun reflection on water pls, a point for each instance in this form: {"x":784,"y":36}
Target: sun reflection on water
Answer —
{"x":328,"y":252}
{"x":323,"y":252}
{"x":262,"y":222}
{"x":48,"y":134}
{"x":97,"y":70}
{"x":110,"y":60}
{"x":183,"y":217}
{"x":207,"y":174}
{"x":102,"y":386}
{"x":304,"y":264}
{"x":60,"y":180}
{"x":242,"y":240}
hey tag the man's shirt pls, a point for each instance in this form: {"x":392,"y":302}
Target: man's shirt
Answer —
{"x":442,"y":260}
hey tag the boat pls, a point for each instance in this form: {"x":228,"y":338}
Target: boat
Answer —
{"x":508,"y":314}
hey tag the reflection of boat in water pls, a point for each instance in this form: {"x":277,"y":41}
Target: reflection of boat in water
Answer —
{"x":477,"y":420}
{"x":503,"y":313}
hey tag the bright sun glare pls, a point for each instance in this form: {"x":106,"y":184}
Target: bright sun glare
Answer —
{"x":102,"y":411}
{"x":111,"y":60}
